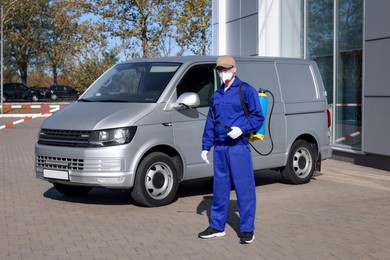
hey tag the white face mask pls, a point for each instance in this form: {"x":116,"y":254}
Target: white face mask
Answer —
{"x":226,"y":77}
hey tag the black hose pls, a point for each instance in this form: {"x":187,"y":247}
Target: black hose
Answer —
{"x":228,"y":128}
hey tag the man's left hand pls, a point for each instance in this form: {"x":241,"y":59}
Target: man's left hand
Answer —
{"x":235,"y":132}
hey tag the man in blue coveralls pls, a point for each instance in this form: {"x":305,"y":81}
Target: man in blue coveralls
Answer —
{"x":232,"y":155}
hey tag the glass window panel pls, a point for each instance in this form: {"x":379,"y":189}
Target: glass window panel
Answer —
{"x":319,"y":39}
{"x":202,"y":80}
{"x":320,"y":46}
{"x":348,"y":107}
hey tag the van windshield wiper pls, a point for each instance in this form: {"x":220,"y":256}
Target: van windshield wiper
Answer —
{"x":112,"y":100}
{"x":85,"y":100}
{"x":102,"y":100}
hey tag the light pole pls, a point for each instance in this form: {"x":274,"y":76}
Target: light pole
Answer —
{"x":2,"y":51}
{"x":1,"y":73}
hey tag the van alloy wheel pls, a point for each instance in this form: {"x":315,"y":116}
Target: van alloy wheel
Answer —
{"x":156,"y":180}
{"x":300,"y":164}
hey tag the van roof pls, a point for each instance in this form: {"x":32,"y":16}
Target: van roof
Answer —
{"x":193,"y":58}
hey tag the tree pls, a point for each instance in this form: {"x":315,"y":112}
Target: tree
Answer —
{"x":65,"y":35}
{"x":194,"y":26}
{"x":82,"y":72}
{"x":136,"y":22}
{"x":22,"y":30}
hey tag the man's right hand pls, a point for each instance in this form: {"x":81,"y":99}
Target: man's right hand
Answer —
{"x":204,"y":156}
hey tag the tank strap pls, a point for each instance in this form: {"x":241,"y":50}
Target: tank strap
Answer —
{"x":242,"y":100}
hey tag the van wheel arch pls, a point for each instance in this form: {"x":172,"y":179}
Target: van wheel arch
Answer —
{"x":171,"y":152}
{"x":301,"y":161}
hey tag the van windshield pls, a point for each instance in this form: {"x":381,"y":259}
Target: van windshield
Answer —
{"x":131,"y":82}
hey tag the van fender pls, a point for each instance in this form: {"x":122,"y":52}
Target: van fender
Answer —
{"x":156,"y":144}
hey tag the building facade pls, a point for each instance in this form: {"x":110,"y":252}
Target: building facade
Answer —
{"x":349,"y":40}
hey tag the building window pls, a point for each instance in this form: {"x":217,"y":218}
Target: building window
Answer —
{"x":348,"y":96}
{"x":334,"y":40}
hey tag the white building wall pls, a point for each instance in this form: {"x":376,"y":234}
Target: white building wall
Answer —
{"x":292,"y":29}
{"x":253,"y":27}
{"x":269,"y":28}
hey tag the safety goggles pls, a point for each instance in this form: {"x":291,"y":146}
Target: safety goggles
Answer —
{"x":222,"y":69}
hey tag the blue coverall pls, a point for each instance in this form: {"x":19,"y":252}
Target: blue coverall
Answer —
{"x":232,"y":157}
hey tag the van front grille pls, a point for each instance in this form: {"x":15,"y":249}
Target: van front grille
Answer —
{"x":74,"y":164}
{"x":68,"y":138}
{"x":58,"y":163}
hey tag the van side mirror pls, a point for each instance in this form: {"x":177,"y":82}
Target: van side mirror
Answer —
{"x":187,"y":99}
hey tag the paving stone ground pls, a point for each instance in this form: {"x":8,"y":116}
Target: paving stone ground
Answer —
{"x":343,"y":213}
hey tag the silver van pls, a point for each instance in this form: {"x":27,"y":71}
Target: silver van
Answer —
{"x":130,"y":130}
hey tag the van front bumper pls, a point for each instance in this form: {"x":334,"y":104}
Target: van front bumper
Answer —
{"x":86,"y":167}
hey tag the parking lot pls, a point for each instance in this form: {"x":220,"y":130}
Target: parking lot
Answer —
{"x":343,"y":213}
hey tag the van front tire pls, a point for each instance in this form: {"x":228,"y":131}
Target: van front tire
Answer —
{"x":156,"y":181}
{"x":300,"y":163}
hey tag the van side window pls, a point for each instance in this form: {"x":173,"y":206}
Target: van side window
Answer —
{"x":200,"y":79}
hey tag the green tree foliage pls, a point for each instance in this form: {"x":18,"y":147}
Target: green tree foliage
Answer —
{"x":64,"y":35}
{"x":138,"y":23}
{"x":194,"y":25}
{"x":64,"y":39}
{"x":47,"y":32}
{"x":89,"y":67}
{"x":22,"y":29}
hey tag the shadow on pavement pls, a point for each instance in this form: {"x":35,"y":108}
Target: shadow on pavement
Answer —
{"x":105,"y":196}
{"x":233,"y":218}
{"x":98,"y":196}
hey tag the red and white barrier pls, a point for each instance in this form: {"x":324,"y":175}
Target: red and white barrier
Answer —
{"x":348,"y":136}
{"x":54,"y":108}
{"x":30,"y":106}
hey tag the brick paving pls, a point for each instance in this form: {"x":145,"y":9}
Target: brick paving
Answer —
{"x":343,"y":213}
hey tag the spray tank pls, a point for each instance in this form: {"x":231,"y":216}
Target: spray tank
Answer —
{"x":259,"y":135}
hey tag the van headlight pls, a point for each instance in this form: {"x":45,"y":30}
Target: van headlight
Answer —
{"x":111,"y":137}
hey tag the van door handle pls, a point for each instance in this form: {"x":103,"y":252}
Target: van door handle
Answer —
{"x":167,"y":124}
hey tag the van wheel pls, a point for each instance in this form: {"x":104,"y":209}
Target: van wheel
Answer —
{"x":72,"y":190}
{"x":156,"y":181}
{"x":53,"y":97}
{"x":300,"y":163}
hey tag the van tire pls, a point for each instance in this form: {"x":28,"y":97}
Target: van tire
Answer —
{"x":300,"y":163}
{"x":72,"y":190}
{"x":156,"y":181}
